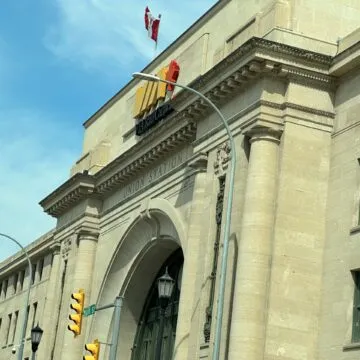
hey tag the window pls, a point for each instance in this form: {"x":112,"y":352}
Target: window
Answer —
{"x":33,"y":274}
{"x":8,"y":328}
{"x":15,"y":326}
{"x":21,"y":281}
{"x":5,"y":287}
{"x":27,"y":316}
{"x":356,"y":308}
{"x":34,"y":314}
{"x":41,"y":268}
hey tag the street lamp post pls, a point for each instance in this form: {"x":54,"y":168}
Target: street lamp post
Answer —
{"x":23,"y":331}
{"x":165,"y":288}
{"x":221,"y":294}
{"x":36,"y":334}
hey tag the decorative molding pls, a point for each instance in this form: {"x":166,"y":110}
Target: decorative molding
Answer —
{"x":199,"y":162}
{"x":78,"y":187}
{"x":222,"y":158}
{"x":257,"y":133}
{"x":307,"y":76}
{"x":183,"y":135}
{"x":85,"y":233}
{"x":218,"y":218}
{"x":83,"y":185}
{"x":55,"y":248}
{"x":66,"y":247}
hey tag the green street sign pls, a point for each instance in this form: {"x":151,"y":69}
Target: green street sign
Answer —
{"x":90,"y":310}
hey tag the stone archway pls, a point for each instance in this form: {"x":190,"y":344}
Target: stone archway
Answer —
{"x":143,"y":249}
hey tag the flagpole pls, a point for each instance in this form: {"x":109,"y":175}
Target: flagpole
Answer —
{"x":155,"y":49}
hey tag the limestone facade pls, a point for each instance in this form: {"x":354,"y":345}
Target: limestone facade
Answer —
{"x":286,"y":75}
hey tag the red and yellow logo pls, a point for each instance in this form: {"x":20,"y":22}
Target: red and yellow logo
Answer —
{"x":152,"y":94}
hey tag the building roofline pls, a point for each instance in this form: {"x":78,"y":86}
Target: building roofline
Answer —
{"x":184,"y":36}
{"x":18,"y":259}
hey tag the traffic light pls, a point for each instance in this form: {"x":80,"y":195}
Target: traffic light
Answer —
{"x":76,"y":317}
{"x":94,"y":349}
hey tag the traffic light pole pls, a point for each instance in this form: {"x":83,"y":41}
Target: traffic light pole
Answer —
{"x":116,"y":325}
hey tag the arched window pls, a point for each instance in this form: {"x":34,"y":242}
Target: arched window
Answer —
{"x":148,"y":328}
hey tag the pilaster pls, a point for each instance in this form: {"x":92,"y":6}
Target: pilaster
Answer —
{"x":81,"y":279}
{"x":190,"y":322}
{"x":247,"y":335}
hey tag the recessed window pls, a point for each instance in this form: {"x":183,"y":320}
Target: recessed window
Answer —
{"x":35,"y":305}
{"x":21,"y":280}
{"x":8,"y":328}
{"x":5,"y":287}
{"x":16,"y":278}
{"x":33,"y":274}
{"x":356,"y":308}
{"x":41,"y":268}
{"x":15,"y":325}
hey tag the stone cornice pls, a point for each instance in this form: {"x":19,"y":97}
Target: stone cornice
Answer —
{"x":184,"y":135}
{"x":251,"y":61}
{"x":78,"y":187}
{"x":120,"y":170}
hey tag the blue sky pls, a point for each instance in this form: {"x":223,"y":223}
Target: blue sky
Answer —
{"x":60,"y":60}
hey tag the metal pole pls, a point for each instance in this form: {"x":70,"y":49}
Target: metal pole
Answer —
{"x":23,"y":331}
{"x":33,"y":356}
{"x":116,"y":327}
{"x":161,"y":334}
{"x":221,"y":295}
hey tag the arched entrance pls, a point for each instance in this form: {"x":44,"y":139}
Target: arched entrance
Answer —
{"x":147,"y":244}
{"x":147,"y":333}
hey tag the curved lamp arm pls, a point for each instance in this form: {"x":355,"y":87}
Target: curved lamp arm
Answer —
{"x":27,"y":298}
{"x":221,"y":293}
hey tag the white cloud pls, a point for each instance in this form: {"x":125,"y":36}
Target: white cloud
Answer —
{"x":33,"y":162}
{"x":110,"y":35}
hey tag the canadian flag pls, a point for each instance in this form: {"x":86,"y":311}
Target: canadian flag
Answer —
{"x":152,"y":24}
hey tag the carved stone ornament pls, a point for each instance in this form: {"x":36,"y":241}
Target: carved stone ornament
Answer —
{"x":222,"y":158}
{"x":66,"y":247}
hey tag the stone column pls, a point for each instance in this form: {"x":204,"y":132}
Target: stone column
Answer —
{"x":51,"y":306}
{"x":247,"y":334}
{"x":82,"y":279}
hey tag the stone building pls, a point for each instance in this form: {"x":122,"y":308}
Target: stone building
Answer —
{"x":142,"y":198}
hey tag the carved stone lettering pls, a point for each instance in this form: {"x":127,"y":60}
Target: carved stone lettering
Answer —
{"x":149,"y":177}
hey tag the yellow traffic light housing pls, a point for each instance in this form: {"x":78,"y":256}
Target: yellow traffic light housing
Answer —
{"x":76,"y":317}
{"x":94,"y":349}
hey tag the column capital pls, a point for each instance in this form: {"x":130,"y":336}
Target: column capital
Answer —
{"x":85,"y":233}
{"x":55,"y":248}
{"x":264,"y":133}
